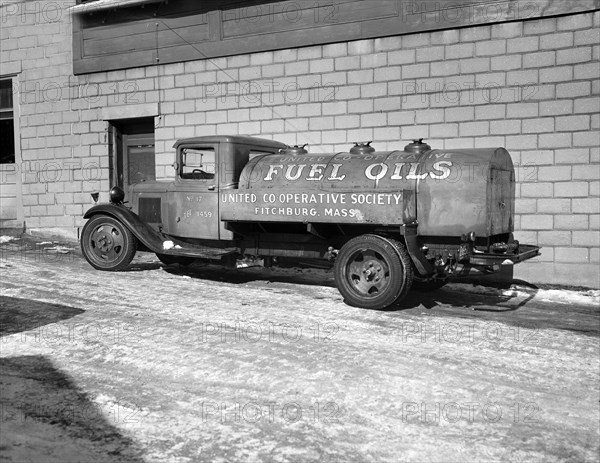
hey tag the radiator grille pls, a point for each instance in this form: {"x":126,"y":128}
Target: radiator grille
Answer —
{"x":150,"y":210}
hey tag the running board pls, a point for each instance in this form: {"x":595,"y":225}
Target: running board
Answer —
{"x":183,"y":249}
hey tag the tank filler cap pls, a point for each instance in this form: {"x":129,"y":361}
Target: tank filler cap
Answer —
{"x":362,"y":148}
{"x":417,"y":146}
{"x":294,"y":150}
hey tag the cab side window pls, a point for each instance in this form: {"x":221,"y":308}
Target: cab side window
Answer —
{"x":198,"y":164}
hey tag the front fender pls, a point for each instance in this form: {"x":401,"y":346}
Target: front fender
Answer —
{"x":149,"y":237}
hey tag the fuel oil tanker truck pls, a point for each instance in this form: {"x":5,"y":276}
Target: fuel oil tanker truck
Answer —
{"x":385,"y":221}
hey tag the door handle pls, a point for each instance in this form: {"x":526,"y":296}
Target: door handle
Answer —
{"x":212,"y":187}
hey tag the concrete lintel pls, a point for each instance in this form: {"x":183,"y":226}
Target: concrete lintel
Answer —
{"x":130,"y":111}
{"x":12,"y":68}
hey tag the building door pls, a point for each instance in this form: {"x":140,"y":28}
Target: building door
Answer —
{"x":139,"y":163}
{"x":132,"y":152}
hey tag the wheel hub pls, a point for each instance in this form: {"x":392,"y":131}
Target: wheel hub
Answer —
{"x":372,"y":271}
{"x":368,"y":273}
{"x":105,"y":242}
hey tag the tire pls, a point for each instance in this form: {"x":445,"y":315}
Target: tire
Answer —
{"x":373,"y":272}
{"x":428,"y":286}
{"x":168,"y":259}
{"x":107,"y":244}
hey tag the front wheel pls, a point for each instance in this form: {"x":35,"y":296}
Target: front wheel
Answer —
{"x":373,"y":272}
{"x":107,"y":244}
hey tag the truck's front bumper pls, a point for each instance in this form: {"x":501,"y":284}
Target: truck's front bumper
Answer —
{"x":524,"y":252}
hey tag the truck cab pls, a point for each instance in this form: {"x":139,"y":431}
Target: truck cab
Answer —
{"x":188,"y":206}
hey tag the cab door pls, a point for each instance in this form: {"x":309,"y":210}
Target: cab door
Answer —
{"x":193,"y":206}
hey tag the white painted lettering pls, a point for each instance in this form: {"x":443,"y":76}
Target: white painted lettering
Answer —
{"x":383,"y":168}
{"x":272,"y":171}
{"x":290,"y":168}
{"x":316,"y":172}
{"x":443,"y":167}
{"x":335,"y":173}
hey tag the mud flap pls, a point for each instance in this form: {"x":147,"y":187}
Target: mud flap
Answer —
{"x":422,"y":265}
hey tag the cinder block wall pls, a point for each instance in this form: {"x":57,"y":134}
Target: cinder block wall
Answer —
{"x":531,"y":87}
{"x":63,"y":154}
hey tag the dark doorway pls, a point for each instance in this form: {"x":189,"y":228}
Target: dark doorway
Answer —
{"x":132,"y":151}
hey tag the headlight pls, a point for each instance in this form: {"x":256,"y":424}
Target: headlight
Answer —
{"x":116,"y":195}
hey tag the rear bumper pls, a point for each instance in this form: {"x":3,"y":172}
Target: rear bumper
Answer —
{"x":524,"y":252}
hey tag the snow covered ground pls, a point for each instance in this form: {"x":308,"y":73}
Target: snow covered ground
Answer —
{"x":561,"y":296}
{"x":170,"y":365}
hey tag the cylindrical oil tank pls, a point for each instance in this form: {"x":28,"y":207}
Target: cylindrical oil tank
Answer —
{"x":447,"y":192}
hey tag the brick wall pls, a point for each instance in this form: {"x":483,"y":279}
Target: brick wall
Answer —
{"x":532,"y":87}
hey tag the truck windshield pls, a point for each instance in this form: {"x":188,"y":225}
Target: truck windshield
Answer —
{"x":198,"y":164}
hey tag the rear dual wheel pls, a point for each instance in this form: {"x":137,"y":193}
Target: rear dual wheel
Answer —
{"x":373,"y":272}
